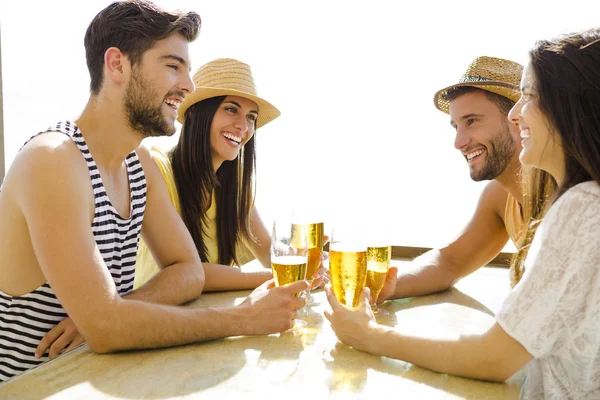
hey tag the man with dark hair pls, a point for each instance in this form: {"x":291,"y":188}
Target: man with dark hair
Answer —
{"x":73,"y":203}
{"x":478,"y":106}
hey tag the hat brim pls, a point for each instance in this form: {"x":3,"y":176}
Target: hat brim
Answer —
{"x":504,"y":89}
{"x":266,"y":111}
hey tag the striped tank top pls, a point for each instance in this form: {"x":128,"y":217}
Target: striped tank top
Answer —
{"x":25,"y":319}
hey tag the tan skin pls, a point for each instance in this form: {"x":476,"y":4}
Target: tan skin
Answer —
{"x":491,"y":354}
{"x":476,"y":120}
{"x":488,"y":355}
{"x":45,"y":232}
{"x":235,"y":116}
{"x":235,"y":119}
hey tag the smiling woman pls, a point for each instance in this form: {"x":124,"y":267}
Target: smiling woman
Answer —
{"x":353,"y":82}
{"x":210,"y":173}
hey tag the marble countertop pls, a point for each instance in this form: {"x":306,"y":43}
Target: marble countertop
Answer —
{"x":307,"y":363}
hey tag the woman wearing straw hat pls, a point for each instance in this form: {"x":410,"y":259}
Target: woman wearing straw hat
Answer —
{"x":550,"y":321}
{"x":210,"y":176}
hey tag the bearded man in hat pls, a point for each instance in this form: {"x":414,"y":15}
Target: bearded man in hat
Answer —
{"x":478,"y":107}
{"x":78,"y":195}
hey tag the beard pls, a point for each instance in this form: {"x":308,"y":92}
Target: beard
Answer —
{"x":501,"y":151}
{"x":143,"y":116}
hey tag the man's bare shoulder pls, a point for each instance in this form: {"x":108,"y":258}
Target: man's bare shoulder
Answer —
{"x":45,"y":145}
{"x":47,"y":159}
{"x":493,"y":198}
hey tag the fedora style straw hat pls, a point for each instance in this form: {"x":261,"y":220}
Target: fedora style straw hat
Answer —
{"x":223,"y":77}
{"x":495,"y":75}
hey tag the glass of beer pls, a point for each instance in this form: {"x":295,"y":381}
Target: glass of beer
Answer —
{"x":347,"y":265}
{"x":289,"y":254}
{"x":379,"y":257}
{"x":315,"y":238}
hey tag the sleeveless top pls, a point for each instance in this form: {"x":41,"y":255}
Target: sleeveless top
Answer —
{"x":25,"y":319}
{"x":515,"y":227}
{"x":146,"y":267}
{"x":513,"y":220}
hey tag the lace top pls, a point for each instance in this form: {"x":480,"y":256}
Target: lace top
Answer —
{"x":554,"y":311}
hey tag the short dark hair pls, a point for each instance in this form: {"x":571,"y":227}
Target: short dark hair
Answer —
{"x":503,"y":103}
{"x":133,"y":26}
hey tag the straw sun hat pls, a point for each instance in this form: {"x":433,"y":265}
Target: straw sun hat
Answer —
{"x":495,"y":75}
{"x":223,"y":77}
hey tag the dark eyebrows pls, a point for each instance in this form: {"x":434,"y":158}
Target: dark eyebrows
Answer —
{"x":176,"y":58}
{"x":466,"y":116}
{"x":240,"y":106}
{"x":472,"y":115}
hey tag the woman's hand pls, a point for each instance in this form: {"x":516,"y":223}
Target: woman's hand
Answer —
{"x":355,"y":327}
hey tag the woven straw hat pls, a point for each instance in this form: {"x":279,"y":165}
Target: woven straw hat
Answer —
{"x":223,"y":77}
{"x":495,"y":75}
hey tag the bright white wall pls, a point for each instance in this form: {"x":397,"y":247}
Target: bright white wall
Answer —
{"x":354,"y":81}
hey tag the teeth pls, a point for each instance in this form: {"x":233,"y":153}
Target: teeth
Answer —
{"x":172,"y":103}
{"x":474,"y":154}
{"x":232,"y":137}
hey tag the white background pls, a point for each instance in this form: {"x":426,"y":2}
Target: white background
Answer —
{"x":354,"y":81}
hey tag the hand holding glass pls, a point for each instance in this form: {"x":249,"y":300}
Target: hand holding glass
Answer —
{"x":289,"y":252}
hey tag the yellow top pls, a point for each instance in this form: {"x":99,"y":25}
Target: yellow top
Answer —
{"x":146,"y":267}
{"x":513,"y":220}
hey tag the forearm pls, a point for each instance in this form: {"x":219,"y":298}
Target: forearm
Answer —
{"x":142,"y":325}
{"x":224,"y":277}
{"x":174,"y":285}
{"x":465,"y":355}
{"x":424,"y":275}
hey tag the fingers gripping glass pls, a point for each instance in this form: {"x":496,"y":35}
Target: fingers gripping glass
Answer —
{"x":289,"y":255}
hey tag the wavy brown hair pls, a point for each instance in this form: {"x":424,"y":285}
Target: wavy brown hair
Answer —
{"x":538,"y":188}
{"x":132,"y":26}
{"x":196,"y":179}
{"x":567,"y":79}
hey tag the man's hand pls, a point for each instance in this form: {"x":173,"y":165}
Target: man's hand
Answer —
{"x":353,"y":326}
{"x":63,"y":337}
{"x":321,"y":277}
{"x":389,"y":286}
{"x":270,"y":309}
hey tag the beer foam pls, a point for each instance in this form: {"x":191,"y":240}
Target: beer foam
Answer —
{"x":289,"y":260}
{"x":347,"y":247}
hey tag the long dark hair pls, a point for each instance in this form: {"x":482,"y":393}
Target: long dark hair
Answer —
{"x":196,"y":179}
{"x":567,"y":78}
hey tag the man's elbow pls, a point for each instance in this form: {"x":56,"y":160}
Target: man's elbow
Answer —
{"x":102,"y":339}
{"x":100,"y":345}
{"x":447,"y":279}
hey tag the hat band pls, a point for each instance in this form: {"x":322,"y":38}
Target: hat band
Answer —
{"x":474,"y":78}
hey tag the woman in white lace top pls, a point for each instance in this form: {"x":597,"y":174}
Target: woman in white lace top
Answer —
{"x":550,"y":322}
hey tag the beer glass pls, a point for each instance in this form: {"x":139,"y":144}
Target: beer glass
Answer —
{"x":347,"y":264}
{"x":315,"y":237}
{"x":379,"y":256}
{"x":289,"y":254}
